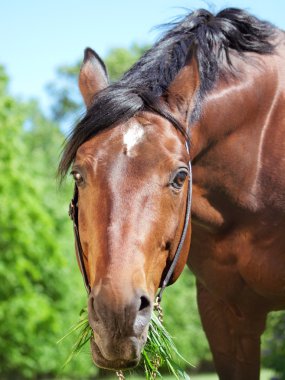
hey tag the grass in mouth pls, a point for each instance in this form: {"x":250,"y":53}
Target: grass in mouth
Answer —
{"x":159,"y":348}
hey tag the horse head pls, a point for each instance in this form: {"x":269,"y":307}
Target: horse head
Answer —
{"x":132,"y":180}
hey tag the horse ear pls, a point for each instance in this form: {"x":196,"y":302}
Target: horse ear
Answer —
{"x":181,"y":91}
{"x":93,"y":76}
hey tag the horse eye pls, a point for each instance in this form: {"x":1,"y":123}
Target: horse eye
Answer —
{"x":179,"y":179}
{"x":77,"y":177}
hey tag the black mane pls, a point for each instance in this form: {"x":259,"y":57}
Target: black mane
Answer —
{"x":211,"y":38}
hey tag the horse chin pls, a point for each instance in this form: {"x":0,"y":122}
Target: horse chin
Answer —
{"x":116,"y":363}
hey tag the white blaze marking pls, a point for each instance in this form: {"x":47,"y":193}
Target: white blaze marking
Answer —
{"x":132,"y":136}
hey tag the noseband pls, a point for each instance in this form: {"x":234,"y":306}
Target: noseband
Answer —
{"x":73,"y":213}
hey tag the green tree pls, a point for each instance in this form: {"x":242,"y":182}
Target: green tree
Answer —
{"x":274,"y":343}
{"x":119,"y":60}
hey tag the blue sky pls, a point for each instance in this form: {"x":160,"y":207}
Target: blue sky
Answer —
{"x":37,"y":36}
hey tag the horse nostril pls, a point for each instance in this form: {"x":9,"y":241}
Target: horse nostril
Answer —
{"x":145,"y":303}
{"x":92,"y":312}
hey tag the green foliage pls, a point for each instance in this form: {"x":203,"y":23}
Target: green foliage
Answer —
{"x":119,"y":60}
{"x":274,"y":343}
{"x":65,"y":93}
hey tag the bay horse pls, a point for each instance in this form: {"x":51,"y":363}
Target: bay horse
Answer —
{"x":218,"y":82}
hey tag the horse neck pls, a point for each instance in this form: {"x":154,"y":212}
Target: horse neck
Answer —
{"x":228,"y":141}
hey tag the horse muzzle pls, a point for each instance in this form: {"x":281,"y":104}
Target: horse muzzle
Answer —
{"x":123,"y":355}
{"x":119,"y":330}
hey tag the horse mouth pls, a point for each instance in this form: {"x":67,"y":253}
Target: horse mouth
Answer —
{"x":118,"y":364}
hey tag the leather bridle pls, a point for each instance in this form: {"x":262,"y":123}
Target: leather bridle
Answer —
{"x":73,"y":213}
